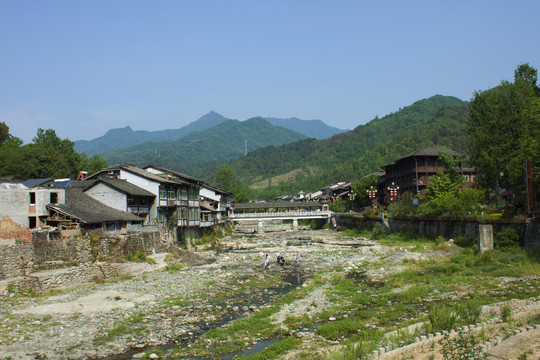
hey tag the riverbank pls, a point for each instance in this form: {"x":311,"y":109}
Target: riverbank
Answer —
{"x":207,"y":302}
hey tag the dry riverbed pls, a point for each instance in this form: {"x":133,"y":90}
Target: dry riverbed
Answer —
{"x":165,"y":307}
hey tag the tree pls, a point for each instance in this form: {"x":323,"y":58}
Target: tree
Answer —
{"x":528,"y":74}
{"x":503,"y":125}
{"x":4,"y":133}
{"x":11,"y":163}
{"x":226,"y":180}
{"x":93,"y":163}
{"x":361,"y":188}
{"x":50,"y":156}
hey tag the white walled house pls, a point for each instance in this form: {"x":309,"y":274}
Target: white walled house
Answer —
{"x":28,"y":207}
{"x":122,"y":195}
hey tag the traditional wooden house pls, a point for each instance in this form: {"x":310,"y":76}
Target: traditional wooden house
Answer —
{"x":176,"y":199}
{"x":84,"y":213}
{"x":122,"y":195}
{"x":411,"y":173}
{"x":215,"y":205}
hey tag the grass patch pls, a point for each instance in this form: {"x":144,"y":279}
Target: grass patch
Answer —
{"x":275,"y":350}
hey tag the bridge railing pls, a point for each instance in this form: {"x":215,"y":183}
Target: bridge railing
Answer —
{"x":289,"y":213}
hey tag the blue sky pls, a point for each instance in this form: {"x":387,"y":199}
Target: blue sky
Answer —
{"x":84,"y":67}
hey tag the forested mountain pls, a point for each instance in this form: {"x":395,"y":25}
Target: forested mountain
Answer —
{"x":192,"y":153}
{"x":126,"y":137}
{"x":316,"y":129}
{"x":311,"y":164}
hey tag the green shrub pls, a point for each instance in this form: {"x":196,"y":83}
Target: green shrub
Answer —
{"x":509,"y":237}
{"x":469,"y":311}
{"x":441,"y":318}
{"x":465,"y":345}
{"x":378,"y":231}
{"x":140,"y":256}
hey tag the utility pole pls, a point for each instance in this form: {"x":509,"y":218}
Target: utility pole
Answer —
{"x":245,"y":147}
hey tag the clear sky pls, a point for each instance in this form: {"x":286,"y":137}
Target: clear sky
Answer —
{"x":84,"y":67}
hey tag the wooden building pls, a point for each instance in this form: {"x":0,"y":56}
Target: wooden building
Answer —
{"x":411,"y":173}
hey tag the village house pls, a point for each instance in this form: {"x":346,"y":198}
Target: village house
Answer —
{"x":122,"y":195}
{"x":28,"y":206}
{"x":160,"y":195}
{"x":411,"y":173}
{"x":83,"y":213}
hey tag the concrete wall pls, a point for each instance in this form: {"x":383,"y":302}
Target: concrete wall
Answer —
{"x":436,"y":227}
{"x":108,"y":196}
{"x":146,"y":184}
{"x":15,"y":203}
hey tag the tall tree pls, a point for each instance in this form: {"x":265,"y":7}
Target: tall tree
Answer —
{"x":11,"y":163}
{"x":4,"y":133}
{"x":502,"y":125}
{"x":50,"y":156}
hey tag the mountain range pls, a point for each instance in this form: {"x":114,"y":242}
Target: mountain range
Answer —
{"x":283,"y":161}
{"x":126,"y":137}
{"x":311,"y":164}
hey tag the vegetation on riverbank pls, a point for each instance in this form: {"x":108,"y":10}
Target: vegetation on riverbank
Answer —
{"x":435,"y":293}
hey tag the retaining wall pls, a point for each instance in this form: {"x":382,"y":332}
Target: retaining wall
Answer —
{"x":466,"y":228}
{"x":44,"y":253}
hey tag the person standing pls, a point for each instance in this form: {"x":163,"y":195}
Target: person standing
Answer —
{"x":266,"y":261}
{"x":297,"y":258}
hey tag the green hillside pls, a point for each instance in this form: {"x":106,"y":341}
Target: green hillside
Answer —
{"x":126,"y":137}
{"x":192,"y":153}
{"x":439,"y":120}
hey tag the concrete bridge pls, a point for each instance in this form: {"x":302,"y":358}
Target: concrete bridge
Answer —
{"x":261,"y":212}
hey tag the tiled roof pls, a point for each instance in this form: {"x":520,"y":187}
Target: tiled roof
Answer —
{"x":123,"y":186}
{"x":429,"y":151}
{"x":90,"y":211}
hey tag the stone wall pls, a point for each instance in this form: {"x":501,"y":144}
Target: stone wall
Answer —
{"x":44,"y":253}
{"x":432,"y":228}
{"x":16,"y":260}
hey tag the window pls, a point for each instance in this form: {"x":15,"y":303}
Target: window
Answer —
{"x":163,"y":194}
{"x":184,"y":194}
{"x":32,"y":222}
{"x":194,"y":214}
{"x":172,"y":194}
{"x":32,"y":198}
{"x":182,"y":212}
{"x":54,"y":198}
{"x":193,"y":194}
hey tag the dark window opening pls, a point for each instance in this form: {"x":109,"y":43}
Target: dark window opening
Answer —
{"x":32,"y":198}
{"x":54,"y":198}
{"x":32,"y":222}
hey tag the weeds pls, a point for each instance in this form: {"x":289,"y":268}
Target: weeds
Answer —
{"x":506,"y":314}
{"x":140,"y":256}
{"x":464,"y":346}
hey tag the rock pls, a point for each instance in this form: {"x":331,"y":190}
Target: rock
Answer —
{"x":332,"y":319}
{"x":153,"y":356}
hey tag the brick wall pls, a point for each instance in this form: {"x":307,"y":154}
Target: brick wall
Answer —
{"x":23,"y":235}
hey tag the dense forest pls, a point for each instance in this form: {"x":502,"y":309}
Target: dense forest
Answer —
{"x":313,"y":164}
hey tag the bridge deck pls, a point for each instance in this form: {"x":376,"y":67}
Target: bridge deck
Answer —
{"x":281,"y":215}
